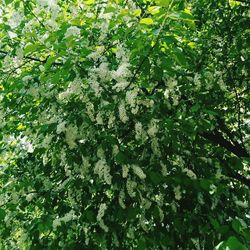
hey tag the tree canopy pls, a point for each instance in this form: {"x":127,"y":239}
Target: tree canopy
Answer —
{"x":124,"y":124}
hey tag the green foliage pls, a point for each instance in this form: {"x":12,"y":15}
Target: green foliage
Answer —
{"x":124,"y":124}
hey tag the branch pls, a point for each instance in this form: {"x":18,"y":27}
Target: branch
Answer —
{"x":239,"y":178}
{"x":33,"y":58}
{"x":217,"y":138}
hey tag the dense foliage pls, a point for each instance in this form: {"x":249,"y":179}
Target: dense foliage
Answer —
{"x":124,"y":124}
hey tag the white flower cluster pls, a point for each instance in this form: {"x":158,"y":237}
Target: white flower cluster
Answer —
{"x":131,"y":97}
{"x":99,"y":119}
{"x":84,"y":168}
{"x":72,"y":31}
{"x":61,"y":127}
{"x":102,"y":72}
{"x":95,"y":55}
{"x":122,"y":73}
{"x":46,"y":141}
{"x":121,"y":199}
{"x":90,"y":111}
{"x":164,"y":170}
{"x":26,"y":144}
{"x":66,"y":218}
{"x":177,"y":192}
{"x":100,"y":153}
{"x":74,"y":88}
{"x":189,"y":173}
{"x":44,"y":3}
{"x":121,"y":85}
{"x":155,"y":147}
{"x":125,"y":170}
{"x":153,"y":128}
{"x":103,"y":170}
{"x":29,"y":197}
{"x":138,"y":171}
{"x":100,"y":215}
{"x":122,"y":112}
{"x":15,"y":19}
{"x":71,"y":135}
{"x":131,"y":185}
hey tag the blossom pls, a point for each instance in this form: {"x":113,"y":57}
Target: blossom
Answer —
{"x":125,"y":170}
{"x":72,"y":31}
{"x":138,"y":171}
{"x":131,"y":185}
{"x":122,"y":112}
{"x":71,"y":135}
{"x":153,"y":128}
{"x":102,"y":169}
{"x":15,"y":19}
{"x":61,"y":127}
{"x":177,"y":192}
{"x":56,"y":223}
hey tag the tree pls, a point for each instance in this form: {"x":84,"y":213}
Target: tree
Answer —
{"x":124,"y":124}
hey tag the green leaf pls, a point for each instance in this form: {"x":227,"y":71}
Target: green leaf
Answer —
{"x":8,"y":1}
{"x":147,"y":21}
{"x":153,"y":10}
{"x":236,"y":225}
{"x":31,"y":48}
{"x":163,"y":3}
{"x":137,"y":12}
{"x":179,"y":57}
{"x":121,"y":158}
{"x":232,"y":243}
{"x":49,"y":62}
{"x":2,"y":214}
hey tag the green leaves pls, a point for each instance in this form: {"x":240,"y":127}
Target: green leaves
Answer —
{"x":2,"y":214}
{"x":231,"y":243}
{"x":147,"y":21}
{"x":163,"y":3}
{"x":124,"y":118}
{"x":30,"y":48}
{"x":8,"y":1}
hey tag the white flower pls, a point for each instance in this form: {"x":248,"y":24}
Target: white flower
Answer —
{"x":153,"y":129}
{"x":131,"y":185}
{"x":72,"y":31}
{"x":131,"y":97}
{"x":125,"y":170}
{"x":189,"y":173}
{"x":46,"y":141}
{"x":68,"y":216}
{"x":99,"y":119}
{"x":138,"y":171}
{"x":44,"y":3}
{"x":102,"y":169}
{"x":121,"y":199}
{"x":61,"y":127}
{"x":121,"y":85}
{"x":121,"y":72}
{"x":56,"y":223}
{"x":71,"y":135}
{"x":177,"y":192}
{"x":122,"y":112}
{"x":29,"y":197}
{"x":138,"y":130}
{"x":15,"y":19}
{"x":101,"y":211}
{"x":12,"y":34}
{"x":155,"y":147}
